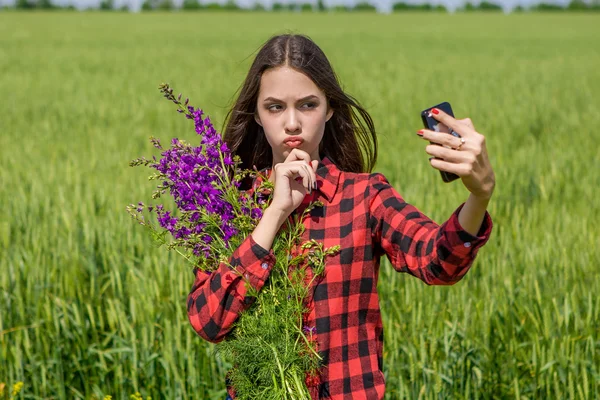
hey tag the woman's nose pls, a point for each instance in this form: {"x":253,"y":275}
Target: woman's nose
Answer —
{"x":292,"y":124}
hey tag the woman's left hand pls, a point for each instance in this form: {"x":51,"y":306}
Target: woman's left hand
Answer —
{"x":468,"y":160}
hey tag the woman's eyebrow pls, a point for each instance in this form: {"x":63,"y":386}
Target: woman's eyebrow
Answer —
{"x":309,"y":97}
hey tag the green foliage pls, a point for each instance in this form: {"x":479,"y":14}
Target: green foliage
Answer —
{"x":107,"y":5}
{"x":489,"y":6}
{"x":547,"y":7}
{"x":24,"y":4}
{"x":581,"y":5}
{"x":213,"y":6}
{"x":469,"y":6}
{"x":192,"y":5}
{"x":577,"y":5}
{"x":401,"y":6}
{"x":162,"y":5}
{"x":268,"y":347}
{"x":45,"y":5}
{"x":341,"y":8}
{"x":165,"y":5}
{"x":306,"y":7}
{"x":231,"y":5}
{"x":88,"y":307}
{"x":364,"y":6}
{"x":147,"y":5}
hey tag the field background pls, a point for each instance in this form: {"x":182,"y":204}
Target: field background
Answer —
{"x":88,"y":307}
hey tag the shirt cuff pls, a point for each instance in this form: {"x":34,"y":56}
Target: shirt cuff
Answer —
{"x":461,"y":241}
{"x":253,"y":261}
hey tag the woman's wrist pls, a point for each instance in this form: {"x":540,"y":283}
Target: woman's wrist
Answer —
{"x":482,"y":198}
{"x":473,"y":212}
{"x":268,"y":226}
{"x":275,"y":216}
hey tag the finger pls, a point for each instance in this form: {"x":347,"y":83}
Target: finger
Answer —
{"x":450,"y":155}
{"x":314,"y":165}
{"x":467,"y":122}
{"x":297,"y":155}
{"x":307,"y":178}
{"x":443,"y":139}
{"x":311,"y":175}
{"x":458,"y":169}
{"x":302,"y":174}
{"x":310,"y":166}
{"x":461,"y":128}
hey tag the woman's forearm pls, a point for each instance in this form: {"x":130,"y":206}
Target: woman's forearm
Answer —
{"x":267,"y":228}
{"x":472,"y":213}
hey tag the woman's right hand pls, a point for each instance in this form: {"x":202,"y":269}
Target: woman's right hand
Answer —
{"x":293,"y":179}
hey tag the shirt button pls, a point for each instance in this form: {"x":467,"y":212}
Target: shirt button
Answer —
{"x":264,"y":266}
{"x":467,"y":244}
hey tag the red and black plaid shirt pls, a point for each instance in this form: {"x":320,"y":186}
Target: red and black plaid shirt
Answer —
{"x":365,"y":215}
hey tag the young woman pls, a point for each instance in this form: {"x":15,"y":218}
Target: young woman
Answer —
{"x":317,"y":143}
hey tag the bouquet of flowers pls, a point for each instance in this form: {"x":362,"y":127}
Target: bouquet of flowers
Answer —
{"x":272,"y":353}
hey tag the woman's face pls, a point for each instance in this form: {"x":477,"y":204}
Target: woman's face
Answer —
{"x":292,"y":111}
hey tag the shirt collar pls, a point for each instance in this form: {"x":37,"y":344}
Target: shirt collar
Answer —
{"x":327,"y":178}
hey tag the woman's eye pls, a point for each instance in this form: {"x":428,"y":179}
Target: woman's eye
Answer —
{"x":309,"y":105}
{"x":274,"y":107}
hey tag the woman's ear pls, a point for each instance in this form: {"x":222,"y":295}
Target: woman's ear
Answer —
{"x":329,"y":114}
{"x":257,"y":118}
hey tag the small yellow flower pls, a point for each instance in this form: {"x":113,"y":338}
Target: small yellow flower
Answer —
{"x":108,"y":397}
{"x":17,"y":388}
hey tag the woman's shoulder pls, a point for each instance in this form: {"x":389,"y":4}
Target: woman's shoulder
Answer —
{"x":367,"y":182}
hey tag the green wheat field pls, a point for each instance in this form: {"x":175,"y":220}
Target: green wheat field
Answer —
{"x":89,"y":307}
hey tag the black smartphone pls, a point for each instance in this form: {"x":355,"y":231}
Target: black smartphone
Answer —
{"x":434,"y":125}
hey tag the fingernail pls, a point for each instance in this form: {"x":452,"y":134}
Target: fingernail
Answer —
{"x":420,"y":133}
{"x":431,"y":158}
{"x":435,"y":111}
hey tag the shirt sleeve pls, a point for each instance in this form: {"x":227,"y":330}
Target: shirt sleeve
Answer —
{"x":436,"y":254}
{"x":217,"y":299}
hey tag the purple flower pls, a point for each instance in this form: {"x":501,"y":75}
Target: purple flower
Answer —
{"x":167,"y":221}
{"x":256,"y":213}
{"x":156,"y":143}
{"x":192,"y":175}
{"x":309,"y":329}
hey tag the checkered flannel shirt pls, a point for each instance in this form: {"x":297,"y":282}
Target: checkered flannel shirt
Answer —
{"x":368,"y":218}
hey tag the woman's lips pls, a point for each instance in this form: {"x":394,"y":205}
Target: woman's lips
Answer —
{"x":294,"y":142}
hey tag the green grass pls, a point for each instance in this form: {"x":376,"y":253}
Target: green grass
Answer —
{"x":89,"y":307}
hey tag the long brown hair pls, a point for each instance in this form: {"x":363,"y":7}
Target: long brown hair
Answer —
{"x":349,"y":139}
